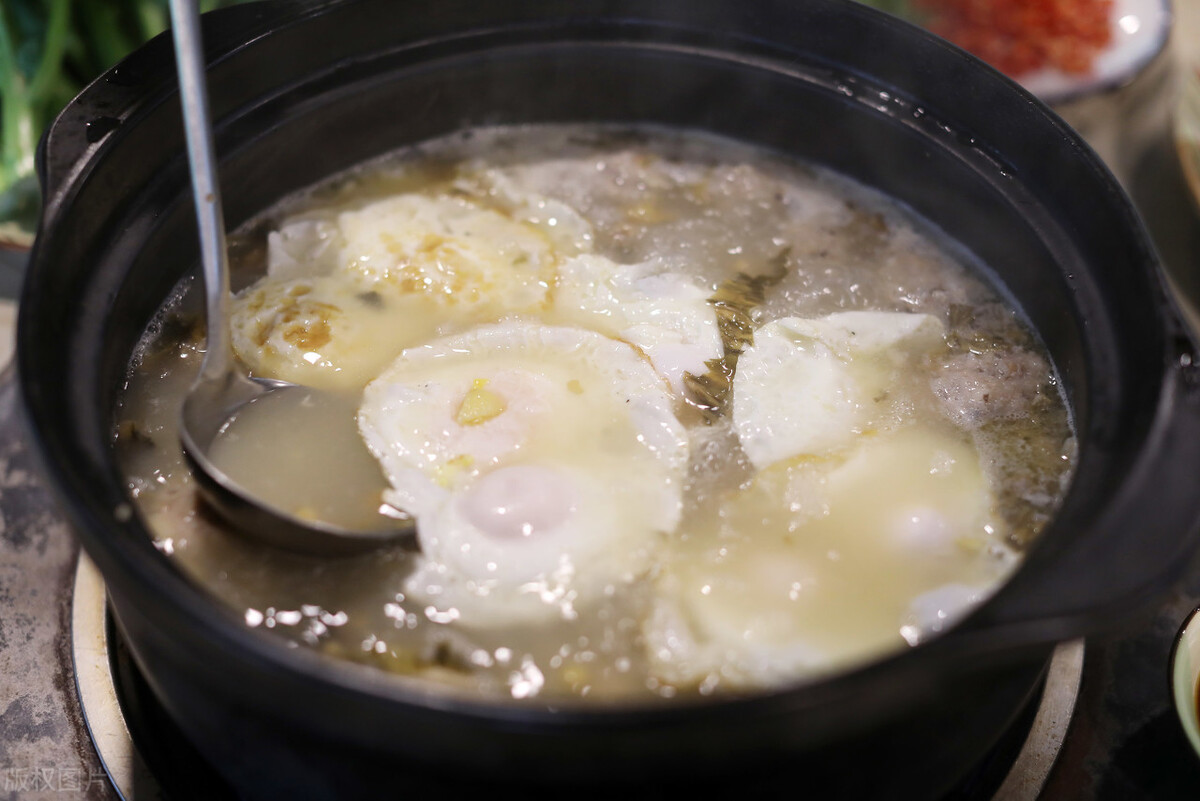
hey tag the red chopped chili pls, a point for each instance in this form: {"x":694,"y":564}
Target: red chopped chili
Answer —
{"x":1019,"y":36}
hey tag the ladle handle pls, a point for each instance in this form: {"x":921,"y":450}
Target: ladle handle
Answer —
{"x":189,"y":59}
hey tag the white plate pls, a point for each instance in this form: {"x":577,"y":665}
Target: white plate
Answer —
{"x":1139,"y":33}
{"x":1185,"y":672}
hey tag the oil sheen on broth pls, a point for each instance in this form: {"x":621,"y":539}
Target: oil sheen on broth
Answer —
{"x":675,"y":416}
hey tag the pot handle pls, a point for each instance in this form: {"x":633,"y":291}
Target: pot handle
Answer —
{"x":99,"y":110}
{"x":1114,"y":574}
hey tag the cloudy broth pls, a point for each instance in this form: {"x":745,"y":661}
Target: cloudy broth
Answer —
{"x":842,"y":439}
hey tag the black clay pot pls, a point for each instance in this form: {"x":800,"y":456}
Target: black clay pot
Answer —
{"x":301,"y":90}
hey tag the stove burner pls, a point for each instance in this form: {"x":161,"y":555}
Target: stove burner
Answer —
{"x":147,"y":757}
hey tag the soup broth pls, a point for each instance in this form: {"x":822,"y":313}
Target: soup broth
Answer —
{"x":675,"y":416}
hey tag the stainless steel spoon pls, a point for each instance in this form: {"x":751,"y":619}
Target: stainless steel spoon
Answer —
{"x":221,"y":389}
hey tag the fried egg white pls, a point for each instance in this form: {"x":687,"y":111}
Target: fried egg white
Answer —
{"x":559,"y":222}
{"x":542,"y":463}
{"x":304,"y":247}
{"x":322,"y":331}
{"x":665,"y":314}
{"x":807,"y":386}
{"x":449,"y":249}
{"x":344,"y":294}
{"x":839,"y":551}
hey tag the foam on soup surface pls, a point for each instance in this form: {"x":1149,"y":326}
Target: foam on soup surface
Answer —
{"x":674,"y":416}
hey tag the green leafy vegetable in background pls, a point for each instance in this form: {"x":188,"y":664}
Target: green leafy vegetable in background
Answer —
{"x":50,"y":50}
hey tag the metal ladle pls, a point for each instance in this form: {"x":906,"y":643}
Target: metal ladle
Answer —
{"x":222,"y":390}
